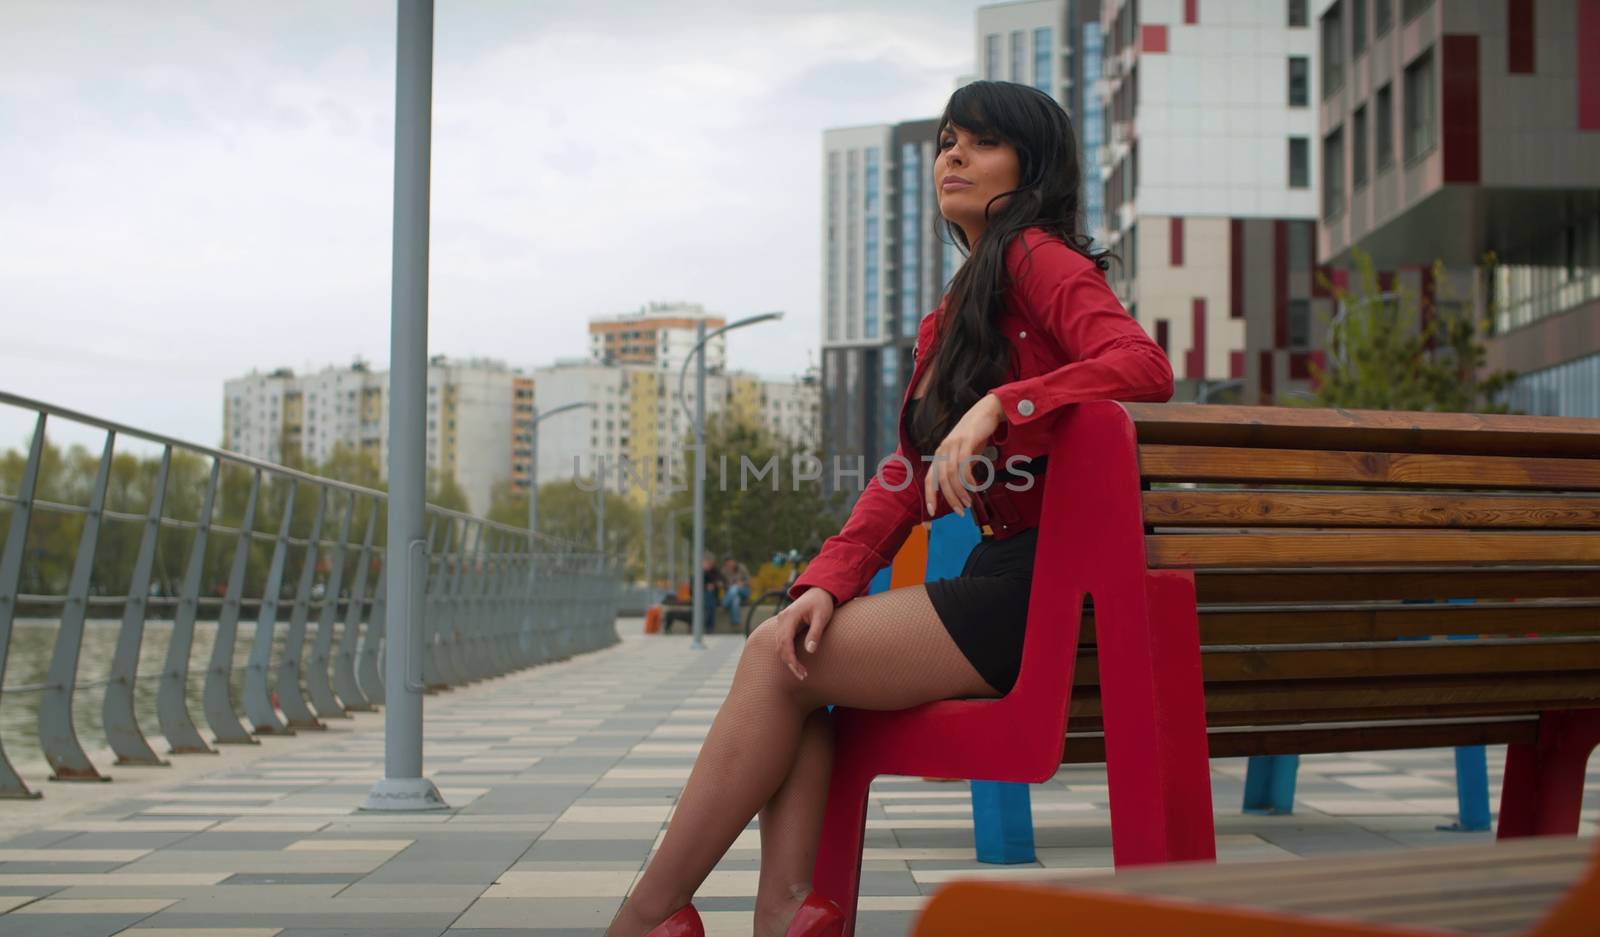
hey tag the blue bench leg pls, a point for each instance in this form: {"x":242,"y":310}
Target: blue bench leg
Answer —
{"x":1002,"y":822}
{"x":1269,"y":784}
{"x":1472,"y":790}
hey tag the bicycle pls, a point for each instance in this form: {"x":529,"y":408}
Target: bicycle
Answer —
{"x":776,"y":600}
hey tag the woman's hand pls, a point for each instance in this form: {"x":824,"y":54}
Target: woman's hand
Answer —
{"x":811,"y":611}
{"x":949,"y":468}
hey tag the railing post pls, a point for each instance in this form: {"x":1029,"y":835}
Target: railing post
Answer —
{"x":172,"y":704}
{"x":290,"y":699}
{"x":370,"y":674}
{"x":257,"y":703}
{"x":122,"y":729}
{"x":218,"y":702}
{"x":323,"y":657}
{"x":57,"y":736}
{"x":11,"y":784}
{"x":344,"y":671}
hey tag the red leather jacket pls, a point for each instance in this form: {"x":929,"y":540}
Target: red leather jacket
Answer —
{"x":1071,"y":341}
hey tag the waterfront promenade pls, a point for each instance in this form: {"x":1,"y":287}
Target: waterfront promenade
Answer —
{"x":561,"y":779}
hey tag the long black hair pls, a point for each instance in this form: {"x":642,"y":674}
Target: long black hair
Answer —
{"x":972,"y":356}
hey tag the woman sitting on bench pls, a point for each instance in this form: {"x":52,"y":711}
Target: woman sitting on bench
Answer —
{"x":1029,"y":326}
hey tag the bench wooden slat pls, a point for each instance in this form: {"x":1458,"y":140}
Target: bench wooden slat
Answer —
{"x":1284,"y":623}
{"x":1277,"y":508}
{"x":1358,"y":547}
{"x":1357,"y":584}
{"x":1161,"y":464}
{"x":1375,"y":430}
{"x":1231,"y":742}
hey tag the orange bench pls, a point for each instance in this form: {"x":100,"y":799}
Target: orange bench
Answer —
{"x":1537,"y":887}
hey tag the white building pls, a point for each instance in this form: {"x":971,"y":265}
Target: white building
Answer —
{"x":1210,"y":185}
{"x":660,"y":335}
{"x":474,"y":417}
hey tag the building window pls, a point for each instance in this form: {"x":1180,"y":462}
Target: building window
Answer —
{"x":1332,"y":51}
{"x":1017,"y":54}
{"x":1411,"y":9}
{"x":1299,"y":163}
{"x":870,"y":264}
{"x":1358,"y":28}
{"x":1358,"y":155}
{"x":1384,"y":129}
{"x":1333,"y":174}
{"x":1300,"y":233}
{"x":1299,"y":81}
{"x":1297,"y":13}
{"x":1419,"y":106}
{"x":991,"y":56}
{"x":1382,"y":17}
{"x":1299,"y":323}
{"x":1042,"y":72}
{"x":910,"y":237}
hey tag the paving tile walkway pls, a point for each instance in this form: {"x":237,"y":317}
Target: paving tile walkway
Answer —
{"x":560,"y":781}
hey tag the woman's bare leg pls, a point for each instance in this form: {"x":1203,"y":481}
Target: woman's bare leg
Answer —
{"x":885,"y":651}
{"x":791,"y":824}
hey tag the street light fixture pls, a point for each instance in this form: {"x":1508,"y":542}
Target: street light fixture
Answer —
{"x":533,"y":461}
{"x":699,"y":355}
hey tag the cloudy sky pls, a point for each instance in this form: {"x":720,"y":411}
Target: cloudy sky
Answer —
{"x":189,"y":190}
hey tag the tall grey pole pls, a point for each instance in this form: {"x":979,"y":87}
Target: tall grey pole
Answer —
{"x":533,"y":480}
{"x":403,"y":787}
{"x":649,"y":535}
{"x":699,"y":596}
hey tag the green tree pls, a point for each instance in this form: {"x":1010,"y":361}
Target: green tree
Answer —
{"x":1383,"y":356}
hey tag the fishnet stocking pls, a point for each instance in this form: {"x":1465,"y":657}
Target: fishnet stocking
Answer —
{"x":885,"y":651}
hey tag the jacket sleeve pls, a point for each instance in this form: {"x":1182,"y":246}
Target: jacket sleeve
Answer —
{"x":878,"y":524}
{"x":1110,"y":357}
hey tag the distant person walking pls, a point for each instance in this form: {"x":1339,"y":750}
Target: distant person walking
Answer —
{"x":737,"y":577}
{"x":713,"y":589}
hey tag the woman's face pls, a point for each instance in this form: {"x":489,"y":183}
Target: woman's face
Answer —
{"x":973,"y":168}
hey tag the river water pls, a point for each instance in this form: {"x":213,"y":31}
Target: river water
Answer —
{"x":33,"y":642}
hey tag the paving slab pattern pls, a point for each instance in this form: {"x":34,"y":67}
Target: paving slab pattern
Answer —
{"x":561,"y":780}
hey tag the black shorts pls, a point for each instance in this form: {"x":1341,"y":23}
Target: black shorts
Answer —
{"x":985,"y":609}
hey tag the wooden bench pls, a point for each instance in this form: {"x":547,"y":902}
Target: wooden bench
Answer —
{"x":1250,"y":571}
{"x":1541,"y":887}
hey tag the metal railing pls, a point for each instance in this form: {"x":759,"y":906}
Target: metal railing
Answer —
{"x":314,"y":580}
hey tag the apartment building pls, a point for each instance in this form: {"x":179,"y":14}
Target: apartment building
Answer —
{"x":1453,"y":130}
{"x":659,"y":335}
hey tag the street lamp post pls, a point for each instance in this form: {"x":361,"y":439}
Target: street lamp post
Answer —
{"x":699,"y":355}
{"x":533,"y":461}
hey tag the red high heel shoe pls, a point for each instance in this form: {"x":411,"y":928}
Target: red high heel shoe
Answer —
{"x":685,"y":923}
{"x":817,"y":917}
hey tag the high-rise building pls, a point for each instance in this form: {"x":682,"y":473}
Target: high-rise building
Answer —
{"x":1450,"y":130}
{"x":1053,"y":45}
{"x":885,"y":262}
{"x":475,"y":418}
{"x":660,"y":335}
{"x":1209,"y":186}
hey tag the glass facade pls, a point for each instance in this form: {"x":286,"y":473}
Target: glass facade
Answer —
{"x":871,"y":289}
{"x":852,"y":246}
{"x":1567,"y":275}
{"x":833,"y":249}
{"x":1091,"y":130}
{"x":1571,"y":389}
{"x":910,"y":237}
{"x":1042,"y":72}
{"x":888,"y":404}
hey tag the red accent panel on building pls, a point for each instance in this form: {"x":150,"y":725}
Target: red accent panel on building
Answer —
{"x":1163,"y":331}
{"x":1191,"y":11}
{"x":1386,"y":280}
{"x":1153,"y":37}
{"x":1194,"y":361}
{"x":1236,"y":364}
{"x":1264,"y":378}
{"x":1236,"y":268}
{"x":1175,"y":241}
{"x":1300,"y":366}
{"x":1589,"y":64}
{"x":1459,"y":117}
{"x":1320,"y":359}
{"x":1280,"y":284}
{"x":1519,"y":37}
